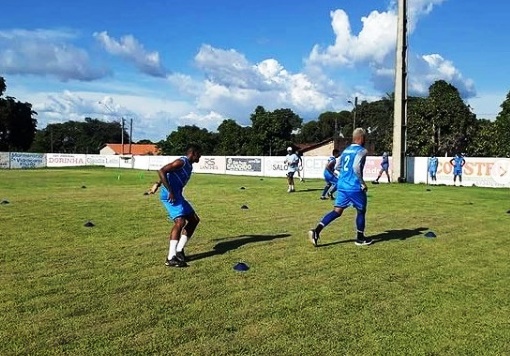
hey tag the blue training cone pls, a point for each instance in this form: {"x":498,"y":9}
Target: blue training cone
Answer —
{"x":430,"y":235}
{"x":241,"y":267}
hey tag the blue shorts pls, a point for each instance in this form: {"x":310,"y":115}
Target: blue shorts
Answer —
{"x":330,"y":178}
{"x":385,"y":168}
{"x":358,"y":199}
{"x":457,"y":172}
{"x":179,"y":207}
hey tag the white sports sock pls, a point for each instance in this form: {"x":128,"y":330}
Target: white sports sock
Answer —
{"x":182,"y":242}
{"x":172,"y":249}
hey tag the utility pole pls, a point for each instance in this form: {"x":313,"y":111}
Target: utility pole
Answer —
{"x":400,"y":104}
{"x":130,"y":134}
{"x":122,"y":137}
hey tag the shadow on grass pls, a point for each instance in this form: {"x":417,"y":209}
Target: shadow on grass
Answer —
{"x":232,"y":243}
{"x":307,"y":190}
{"x":387,"y":235}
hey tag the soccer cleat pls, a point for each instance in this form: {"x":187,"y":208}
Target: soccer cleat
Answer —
{"x":314,"y":237}
{"x":181,"y":256}
{"x":174,"y":262}
{"x":323,"y":198}
{"x":364,"y":242}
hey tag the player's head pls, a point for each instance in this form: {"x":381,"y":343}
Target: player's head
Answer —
{"x":193,"y":153}
{"x":359,"y":136}
{"x":289,"y":150}
{"x":385,"y":154}
{"x":336,"y":152}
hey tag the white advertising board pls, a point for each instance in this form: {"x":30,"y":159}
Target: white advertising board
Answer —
{"x":25,"y":160}
{"x":4,"y":160}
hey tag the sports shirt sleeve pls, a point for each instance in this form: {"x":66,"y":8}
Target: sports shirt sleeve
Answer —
{"x":359,"y":164}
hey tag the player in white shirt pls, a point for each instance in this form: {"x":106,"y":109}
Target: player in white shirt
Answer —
{"x":292,"y":161}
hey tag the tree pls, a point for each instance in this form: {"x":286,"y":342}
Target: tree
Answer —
{"x":503,"y":129}
{"x":232,"y":139}
{"x":87,"y":136}
{"x":484,"y":140}
{"x":271,"y":132}
{"x":177,"y":141}
{"x":17,"y":123}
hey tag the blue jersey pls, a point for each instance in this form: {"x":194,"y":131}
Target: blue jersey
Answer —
{"x":433,"y":162}
{"x":350,"y":166}
{"x":385,"y":162}
{"x":330,"y":159}
{"x":458,"y":162}
{"x":178,"y":179}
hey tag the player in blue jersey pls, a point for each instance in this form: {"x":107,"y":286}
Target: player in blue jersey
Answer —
{"x":330,"y":176}
{"x":432,"y":167}
{"x":352,"y":189}
{"x":385,"y":165}
{"x":457,"y":162}
{"x":292,"y":162}
{"x":173,"y":177}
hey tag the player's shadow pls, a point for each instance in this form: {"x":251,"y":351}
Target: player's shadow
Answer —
{"x":232,"y":243}
{"x":308,"y":190}
{"x":388,"y":235}
{"x":402,"y":234}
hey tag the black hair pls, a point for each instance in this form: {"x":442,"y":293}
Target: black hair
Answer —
{"x":193,"y":148}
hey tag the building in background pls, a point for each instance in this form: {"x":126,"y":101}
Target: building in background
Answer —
{"x":129,"y":149}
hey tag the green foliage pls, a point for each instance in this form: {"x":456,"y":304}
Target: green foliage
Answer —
{"x":503,"y":129}
{"x":177,"y":142}
{"x":17,"y":123}
{"x":72,"y":290}
{"x":232,"y":139}
{"x":87,"y":136}
{"x":271,"y":132}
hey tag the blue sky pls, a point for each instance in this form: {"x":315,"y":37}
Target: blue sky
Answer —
{"x":168,"y":63}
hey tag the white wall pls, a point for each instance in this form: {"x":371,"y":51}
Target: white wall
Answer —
{"x":483,"y":172}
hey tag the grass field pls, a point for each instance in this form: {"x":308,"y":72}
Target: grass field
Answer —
{"x":69,"y":289}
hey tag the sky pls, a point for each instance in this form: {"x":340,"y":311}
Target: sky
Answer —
{"x":169,"y":63}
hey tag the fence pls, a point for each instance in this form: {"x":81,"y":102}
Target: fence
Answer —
{"x":483,"y":172}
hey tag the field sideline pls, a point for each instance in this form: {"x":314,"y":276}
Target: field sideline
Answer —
{"x":69,"y":289}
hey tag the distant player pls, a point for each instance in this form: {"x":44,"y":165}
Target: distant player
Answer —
{"x":292,"y":161}
{"x":352,"y":189}
{"x":330,"y":176}
{"x":174,"y":177}
{"x":457,"y":162}
{"x":385,"y":165}
{"x":432,"y":167}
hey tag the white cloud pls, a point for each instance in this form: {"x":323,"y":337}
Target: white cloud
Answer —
{"x":46,"y":52}
{"x":130,"y":49}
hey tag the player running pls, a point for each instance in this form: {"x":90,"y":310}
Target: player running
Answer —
{"x":174,"y":177}
{"x":352,"y":189}
{"x":385,"y":165}
{"x":330,"y":176}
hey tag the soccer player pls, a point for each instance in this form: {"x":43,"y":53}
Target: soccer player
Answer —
{"x":457,"y":162}
{"x":292,"y":160}
{"x":433,"y":163}
{"x":385,"y":165}
{"x":174,"y":176}
{"x":330,"y":176}
{"x":352,"y":189}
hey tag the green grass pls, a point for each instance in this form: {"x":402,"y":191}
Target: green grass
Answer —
{"x":68,"y":289}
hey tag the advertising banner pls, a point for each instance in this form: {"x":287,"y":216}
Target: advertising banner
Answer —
{"x":4,"y":160}
{"x":27,"y":160}
{"x":65,"y":160}
{"x":244,"y":166}
{"x":210,"y":164}
{"x":479,"y":171}
{"x":275,"y":166}
{"x":96,"y":160}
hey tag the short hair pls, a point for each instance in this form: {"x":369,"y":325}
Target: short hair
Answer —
{"x":359,"y":133}
{"x":335,"y":151}
{"x":193,"y":148}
